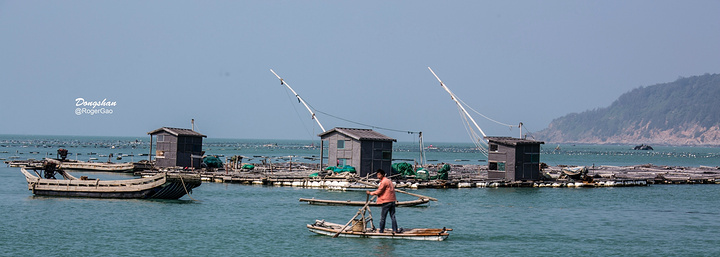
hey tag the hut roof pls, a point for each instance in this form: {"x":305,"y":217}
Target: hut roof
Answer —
{"x":359,"y":134}
{"x":177,"y":132}
{"x":513,"y":141}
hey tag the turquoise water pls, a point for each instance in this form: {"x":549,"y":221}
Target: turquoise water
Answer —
{"x":241,"y":220}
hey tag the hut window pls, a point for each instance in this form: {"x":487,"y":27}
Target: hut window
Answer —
{"x":499,"y":166}
{"x":161,"y":138}
{"x":387,"y":155}
{"x":493,"y":147}
{"x":342,"y":161}
{"x":341,"y":144}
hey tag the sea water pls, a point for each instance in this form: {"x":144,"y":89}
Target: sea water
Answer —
{"x":243,"y":220}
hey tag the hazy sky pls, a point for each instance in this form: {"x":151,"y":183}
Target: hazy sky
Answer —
{"x":166,"y":62}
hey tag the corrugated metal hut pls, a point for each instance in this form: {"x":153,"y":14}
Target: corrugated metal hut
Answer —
{"x":513,"y":159}
{"x":364,"y":149}
{"x":177,"y":147}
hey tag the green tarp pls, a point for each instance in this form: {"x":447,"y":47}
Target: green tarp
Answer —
{"x":422,"y":174}
{"x":212,"y":161}
{"x":403,"y":168}
{"x":443,"y":173}
{"x":340,"y":169}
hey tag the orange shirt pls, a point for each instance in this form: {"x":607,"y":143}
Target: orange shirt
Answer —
{"x":385,"y":191}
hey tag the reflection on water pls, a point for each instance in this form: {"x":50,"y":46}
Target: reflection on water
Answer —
{"x":385,"y":247}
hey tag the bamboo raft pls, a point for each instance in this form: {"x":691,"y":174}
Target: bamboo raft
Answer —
{"x":331,"y":229}
{"x":361,"y":203}
{"x":159,"y":186}
{"x":360,"y":228}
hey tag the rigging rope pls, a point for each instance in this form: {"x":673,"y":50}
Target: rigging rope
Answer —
{"x":529,"y":132}
{"x":422,"y":153}
{"x":297,"y":113}
{"x":486,"y":117}
{"x":474,"y":137}
{"x":362,"y":124}
{"x":183,"y":183}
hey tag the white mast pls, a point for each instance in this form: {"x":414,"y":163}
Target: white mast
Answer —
{"x":454,"y":98}
{"x":422,"y":150}
{"x":520,"y":127}
{"x":282,"y":82}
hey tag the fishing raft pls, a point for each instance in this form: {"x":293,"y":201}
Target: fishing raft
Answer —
{"x":323,"y":227}
{"x":361,"y":203}
{"x":363,"y":227}
{"x":159,"y":186}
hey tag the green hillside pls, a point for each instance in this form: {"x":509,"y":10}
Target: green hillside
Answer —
{"x":683,"y":112}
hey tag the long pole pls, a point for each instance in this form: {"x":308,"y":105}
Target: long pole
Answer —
{"x":360,"y":211}
{"x":452,"y":96}
{"x":322,"y":146}
{"x":150,"y":153}
{"x":520,"y":126}
{"x":422,"y":150}
{"x":400,"y":191}
{"x":282,"y":82}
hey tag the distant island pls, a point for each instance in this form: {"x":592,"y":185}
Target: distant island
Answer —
{"x":683,"y":112}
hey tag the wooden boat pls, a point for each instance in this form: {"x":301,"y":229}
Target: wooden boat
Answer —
{"x":97,"y":166}
{"x":24,"y":163}
{"x":361,"y":203}
{"x":159,"y":186}
{"x":360,"y":228}
{"x":331,"y":229}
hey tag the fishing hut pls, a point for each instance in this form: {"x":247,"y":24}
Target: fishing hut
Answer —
{"x":177,"y":147}
{"x":513,"y":159}
{"x":364,"y":149}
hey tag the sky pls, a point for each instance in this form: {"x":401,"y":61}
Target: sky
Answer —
{"x":357,"y":63}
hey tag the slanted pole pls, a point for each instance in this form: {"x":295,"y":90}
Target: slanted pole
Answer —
{"x":282,"y":82}
{"x":452,"y":96}
{"x":361,"y":211}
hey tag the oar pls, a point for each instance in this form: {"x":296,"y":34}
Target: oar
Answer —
{"x":400,"y":191}
{"x":367,"y":202}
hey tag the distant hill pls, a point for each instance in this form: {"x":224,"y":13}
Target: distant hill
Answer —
{"x":683,"y":112}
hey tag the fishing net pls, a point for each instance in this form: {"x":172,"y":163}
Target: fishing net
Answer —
{"x":403,"y":168}
{"x":212,"y":161}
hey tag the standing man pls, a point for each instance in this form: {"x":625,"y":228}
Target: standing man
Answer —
{"x":385,"y":196}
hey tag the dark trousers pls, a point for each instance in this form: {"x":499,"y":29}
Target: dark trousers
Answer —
{"x":388,"y":208}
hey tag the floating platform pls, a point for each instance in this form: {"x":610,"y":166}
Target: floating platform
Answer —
{"x":471,"y":176}
{"x":332,"y":229}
